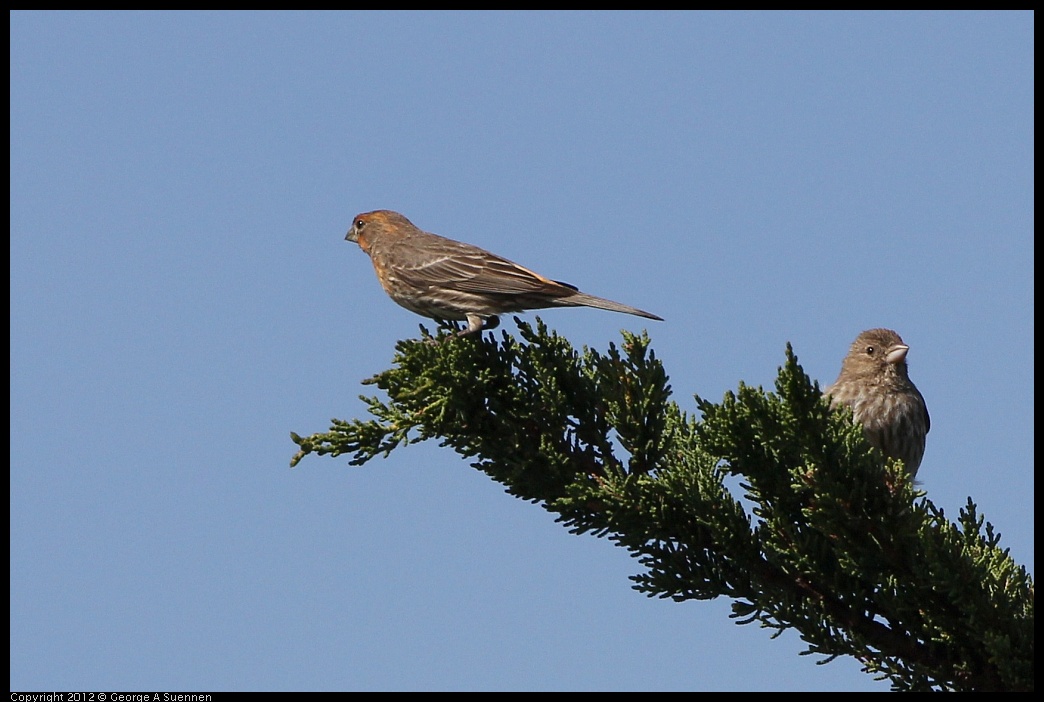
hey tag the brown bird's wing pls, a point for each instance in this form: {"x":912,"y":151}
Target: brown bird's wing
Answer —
{"x":445,"y":263}
{"x":434,"y":262}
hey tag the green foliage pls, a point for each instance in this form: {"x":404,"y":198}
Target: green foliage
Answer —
{"x":825,"y":536}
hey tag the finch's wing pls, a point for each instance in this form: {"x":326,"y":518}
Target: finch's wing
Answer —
{"x":446,"y":263}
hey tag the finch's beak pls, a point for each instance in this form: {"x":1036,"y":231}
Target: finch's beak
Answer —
{"x":351,"y":235}
{"x":897,"y":354}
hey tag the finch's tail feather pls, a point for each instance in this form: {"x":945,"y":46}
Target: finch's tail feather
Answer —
{"x":585,"y":300}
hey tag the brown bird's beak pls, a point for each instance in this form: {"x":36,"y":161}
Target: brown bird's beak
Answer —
{"x":352,"y":235}
{"x":897,"y":354}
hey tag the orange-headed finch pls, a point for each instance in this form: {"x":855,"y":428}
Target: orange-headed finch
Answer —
{"x":446,"y":279}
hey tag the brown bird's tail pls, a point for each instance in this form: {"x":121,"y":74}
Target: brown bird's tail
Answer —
{"x":583,"y":299}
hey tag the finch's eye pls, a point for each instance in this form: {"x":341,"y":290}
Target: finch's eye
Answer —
{"x":869,"y":350}
{"x":359,"y":224}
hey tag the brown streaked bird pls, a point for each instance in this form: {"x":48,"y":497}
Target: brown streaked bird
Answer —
{"x":445,"y":279}
{"x":875,"y":383}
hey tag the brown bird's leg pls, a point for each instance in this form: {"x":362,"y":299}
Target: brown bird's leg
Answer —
{"x":478,"y":324}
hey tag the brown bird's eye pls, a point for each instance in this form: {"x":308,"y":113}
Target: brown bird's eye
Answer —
{"x":359,"y":223}
{"x":869,"y":350}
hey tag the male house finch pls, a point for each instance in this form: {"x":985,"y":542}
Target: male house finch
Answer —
{"x":875,"y":383}
{"x":446,"y":279}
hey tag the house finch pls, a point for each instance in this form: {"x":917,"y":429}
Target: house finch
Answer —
{"x":875,"y":384}
{"x":446,"y":279}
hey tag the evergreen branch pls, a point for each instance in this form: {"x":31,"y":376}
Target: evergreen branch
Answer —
{"x":826,"y":537}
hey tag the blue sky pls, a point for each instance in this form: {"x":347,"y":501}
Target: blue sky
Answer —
{"x":182,"y":298}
